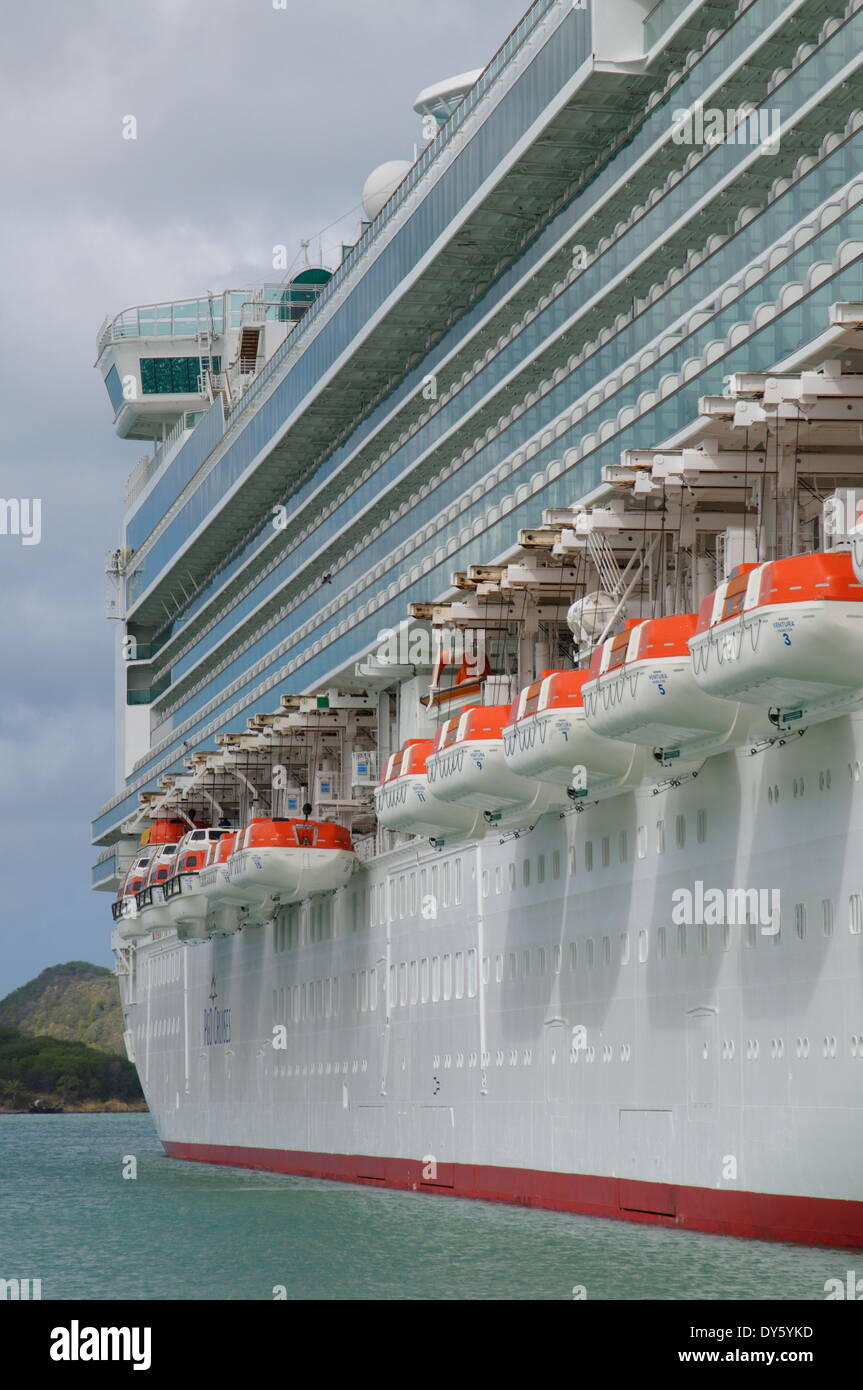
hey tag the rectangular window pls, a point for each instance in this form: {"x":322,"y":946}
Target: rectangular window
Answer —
{"x":364,"y":991}
{"x":588,"y":856}
{"x":855,"y":917}
{"x":606,"y":851}
{"x":447,"y":975}
{"x":424,"y":979}
{"x":435,"y":979}
{"x":540,"y":869}
{"x":403,"y":983}
{"x":373,"y":988}
{"x":660,"y":837}
{"x":414,"y":981}
{"x":175,"y":375}
{"x":459,"y":975}
{"x":471,"y":973}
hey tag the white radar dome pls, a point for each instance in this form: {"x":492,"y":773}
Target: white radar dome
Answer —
{"x":381,"y":184}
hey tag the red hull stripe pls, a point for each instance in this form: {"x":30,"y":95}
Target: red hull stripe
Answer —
{"x":758,"y":1215}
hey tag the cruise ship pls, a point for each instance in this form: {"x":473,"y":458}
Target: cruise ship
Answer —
{"x":489,"y":818}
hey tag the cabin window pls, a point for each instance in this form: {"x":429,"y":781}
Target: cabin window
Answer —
{"x":572,"y":859}
{"x":641,"y":841}
{"x":414,"y":981}
{"x":485,"y":883}
{"x":624,"y":948}
{"x":661,"y":943}
{"x":525,"y":963}
{"x":498,"y":879}
{"x":606,"y":851}
{"x":588,"y":855}
{"x":471,"y":972}
{"x":606,"y":950}
{"x":525,"y":873}
{"x":403,"y":983}
{"x":393,"y":988}
{"x":589,"y":953}
{"x":447,"y":883}
{"x":622,"y":847}
{"x":540,"y":960}
{"x":855,"y":921}
{"x":447,"y":976}
{"x":704,"y":934}
{"x":680,"y":832}
{"x":364,"y":991}
{"x":556,"y":959}
{"x":555,"y":864}
{"x":800,"y":919}
{"x":498,"y":968}
{"x":681,"y":938}
{"x":413,"y":894}
{"x":459,"y":975}
{"x":660,"y":837}
{"x":540,"y":869}
{"x":642,"y":946}
{"x":573,"y":955}
{"x":511,"y":876}
{"x":457,"y":874}
{"x":435,"y":979}
{"x":827,"y":916}
{"x":424,"y":979}
{"x":513,"y":965}
{"x":701,"y":827}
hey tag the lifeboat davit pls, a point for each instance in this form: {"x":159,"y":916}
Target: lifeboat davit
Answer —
{"x":467,"y":766}
{"x":187,"y":904}
{"x":642,"y":689}
{"x":550,"y":739}
{"x":404,"y":801}
{"x":291,"y":859}
{"x":781,"y":635}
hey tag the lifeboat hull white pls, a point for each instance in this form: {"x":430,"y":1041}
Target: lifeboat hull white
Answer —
{"x":289,"y":873}
{"x":408,"y":806}
{"x":558,"y":747}
{"x":659,"y":705}
{"x":475,"y":774}
{"x":785,"y":656}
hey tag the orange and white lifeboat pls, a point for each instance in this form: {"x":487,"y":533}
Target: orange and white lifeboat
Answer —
{"x":291,"y":859}
{"x":188,"y":905}
{"x":150,"y":910}
{"x":229,"y":905}
{"x":124,"y":910}
{"x":642,"y":689}
{"x":781,"y":635}
{"x":550,"y":739}
{"x":467,"y":766}
{"x":404,"y":801}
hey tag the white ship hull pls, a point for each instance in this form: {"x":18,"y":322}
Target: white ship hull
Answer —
{"x":584,"y":1051}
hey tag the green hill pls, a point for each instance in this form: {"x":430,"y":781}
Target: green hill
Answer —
{"x":76,"y":1002}
{"x":84,"y":1078}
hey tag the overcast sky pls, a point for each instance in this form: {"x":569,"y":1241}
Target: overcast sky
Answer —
{"x":256,"y":127}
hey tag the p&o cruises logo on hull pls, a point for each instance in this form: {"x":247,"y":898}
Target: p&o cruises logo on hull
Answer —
{"x":217,"y":1022}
